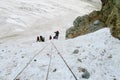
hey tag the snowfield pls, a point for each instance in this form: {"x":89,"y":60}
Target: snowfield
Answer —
{"x":94,"y":56}
{"x":21,"y":18}
{"x":98,"y":53}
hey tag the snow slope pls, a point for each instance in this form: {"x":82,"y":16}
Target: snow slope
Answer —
{"x":95,"y":3}
{"x":26,"y":18}
{"x":21,"y":58}
{"x":97,"y":52}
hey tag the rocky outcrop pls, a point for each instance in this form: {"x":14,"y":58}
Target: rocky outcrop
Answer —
{"x":113,"y":19}
{"x":85,"y":24}
{"x":108,"y":16}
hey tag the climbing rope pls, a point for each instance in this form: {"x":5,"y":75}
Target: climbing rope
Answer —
{"x":49,"y":64}
{"x":64,"y":61}
{"x":30,"y":62}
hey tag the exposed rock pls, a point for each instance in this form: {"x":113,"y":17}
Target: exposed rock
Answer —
{"x":113,"y":19}
{"x":85,"y":74}
{"x":80,"y":69}
{"x":35,"y":60}
{"x":108,"y":16}
{"x":79,"y":60}
{"x":54,"y":70}
{"x":76,"y":51}
{"x":84,"y":25}
{"x":22,"y":57}
{"x":3,"y":50}
{"x":110,"y":56}
{"x":114,"y":79}
{"x":96,"y":25}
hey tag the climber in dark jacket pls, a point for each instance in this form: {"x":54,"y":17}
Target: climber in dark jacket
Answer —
{"x":50,"y":37}
{"x":56,"y":35}
{"x":42,"y":39}
{"x":38,"y":39}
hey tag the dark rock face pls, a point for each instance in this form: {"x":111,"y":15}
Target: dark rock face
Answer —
{"x":85,"y":24}
{"x":108,"y":16}
{"x":113,"y":16}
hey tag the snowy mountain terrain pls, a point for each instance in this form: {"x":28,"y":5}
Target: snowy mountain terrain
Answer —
{"x":97,"y":53}
{"x":21,"y":18}
{"x":94,"y":56}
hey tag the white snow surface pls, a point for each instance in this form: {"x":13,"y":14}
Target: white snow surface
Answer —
{"x":22,"y":58}
{"x":98,"y":53}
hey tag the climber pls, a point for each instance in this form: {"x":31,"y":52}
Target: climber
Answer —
{"x":50,"y":37}
{"x":56,"y":35}
{"x":42,"y":39}
{"x":38,"y":39}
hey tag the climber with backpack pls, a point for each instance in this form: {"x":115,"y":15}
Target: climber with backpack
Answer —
{"x":56,"y":35}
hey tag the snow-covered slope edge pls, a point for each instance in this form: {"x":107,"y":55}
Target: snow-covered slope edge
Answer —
{"x":97,"y":52}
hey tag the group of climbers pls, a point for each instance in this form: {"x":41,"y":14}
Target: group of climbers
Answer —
{"x":42,"y":39}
